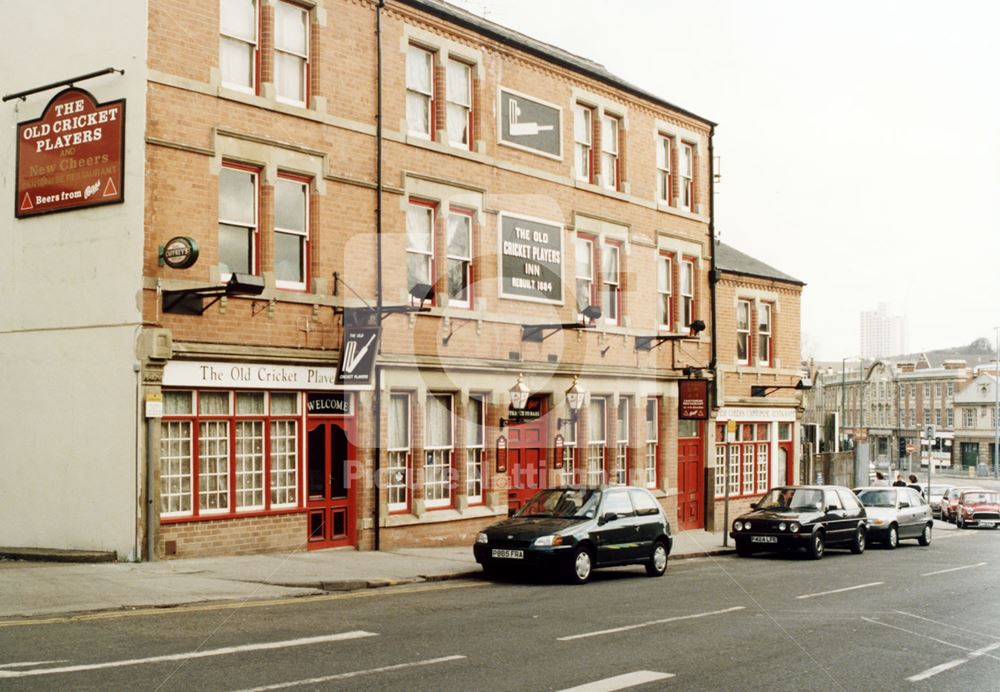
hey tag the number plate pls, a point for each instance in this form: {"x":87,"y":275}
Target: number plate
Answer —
{"x":987,"y":524}
{"x":763,"y":539}
{"x":508,"y":554}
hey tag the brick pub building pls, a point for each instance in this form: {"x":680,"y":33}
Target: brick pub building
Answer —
{"x":515,"y":219}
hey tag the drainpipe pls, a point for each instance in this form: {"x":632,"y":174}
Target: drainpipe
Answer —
{"x":712,"y":280}
{"x":377,"y":484}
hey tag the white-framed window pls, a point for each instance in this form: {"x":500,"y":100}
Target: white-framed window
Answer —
{"x":687,"y":293}
{"x":583,"y":142}
{"x":665,"y":291}
{"x":213,"y":452}
{"x":420,"y":91}
{"x":439,"y":444}
{"x":176,"y":454}
{"x":291,"y":232}
{"x":720,"y":469}
{"x":764,"y":334}
{"x":238,"y":44}
{"x":569,"y":454}
{"x":584,"y":250}
{"x":291,"y":52}
{"x":951,"y":389}
{"x":459,"y":103}
{"x":762,"y":467}
{"x":238,"y":205}
{"x":968,"y":417}
{"x":611,"y":283}
{"x":284,"y":449}
{"x":652,"y":441}
{"x":398,"y":452}
{"x":749,"y":467}
{"x":419,"y":244}
{"x":687,"y":177}
{"x":664,"y":170}
{"x":734,"y":469}
{"x":597,"y":437}
{"x":937,"y":417}
{"x":249,"y":451}
{"x":610,"y":163}
{"x":475,"y":447}
{"x":459,"y":259}
{"x":623,"y":429}
{"x":743,"y":332}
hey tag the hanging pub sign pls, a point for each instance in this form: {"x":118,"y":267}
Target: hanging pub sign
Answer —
{"x":501,"y":454}
{"x":693,"y":400}
{"x":357,"y":355}
{"x":530,"y":256}
{"x":73,"y":156}
{"x":557,"y":451}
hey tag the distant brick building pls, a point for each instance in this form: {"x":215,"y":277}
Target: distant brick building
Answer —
{"x":526,"y":221}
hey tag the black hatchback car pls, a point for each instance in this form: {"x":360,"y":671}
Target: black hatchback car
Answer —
{"x":810,"y":517}
{"x":572,"y":530}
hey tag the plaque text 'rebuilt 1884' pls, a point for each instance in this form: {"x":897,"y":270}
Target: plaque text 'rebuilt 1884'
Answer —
{"x":530,"y":259}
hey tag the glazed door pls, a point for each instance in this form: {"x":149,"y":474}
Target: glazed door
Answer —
{"x":690,"y":484}
{"x":526,"y":469}
{"x":331,"y":485}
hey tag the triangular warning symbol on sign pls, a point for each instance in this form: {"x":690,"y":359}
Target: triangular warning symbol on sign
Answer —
{"x":109,"y":190}
{"x":26,"y":203}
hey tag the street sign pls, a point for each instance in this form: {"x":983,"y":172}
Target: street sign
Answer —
{"x":909,"y":448}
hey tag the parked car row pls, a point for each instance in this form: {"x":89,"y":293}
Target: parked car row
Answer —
{"x":969,"y":506}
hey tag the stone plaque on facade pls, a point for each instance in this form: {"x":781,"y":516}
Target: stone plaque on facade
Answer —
{"x":530,"y":253}
{"x":527,"y":123}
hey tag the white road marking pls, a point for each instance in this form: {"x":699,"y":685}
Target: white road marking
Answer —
{"x":949,"y":626}
{"x":936,"y":669}
{"x":356,"y":634}
{"x":985,"y":650}
{"x":953,"y":569}
{"x":849,"y":588}
{"x":648,"y":624}
{"x":28,"y":664}
{"x":355,"y":673}
{"x":621,"y":682}
{"x":917,"y":634}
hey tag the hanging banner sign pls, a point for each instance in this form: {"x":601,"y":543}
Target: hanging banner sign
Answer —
{"x":693,"y":399}
{"x":71,"y":157}
{"x":357,"y":355}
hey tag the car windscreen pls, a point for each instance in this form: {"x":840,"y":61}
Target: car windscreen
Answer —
{"x":564,"y":503}
{"x":792,"y":499}
{"x":884,"y":497}
{"x":978,"y":498}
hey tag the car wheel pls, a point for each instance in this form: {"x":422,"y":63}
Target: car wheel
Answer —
{"x":743,"y":549}
{"x":581,"y":566}
{"x":858,"y":544}
{"x":817,"y":545}
{"x":657,"y":564}
{"x":925,"y":537}
{"x":892,"y":540}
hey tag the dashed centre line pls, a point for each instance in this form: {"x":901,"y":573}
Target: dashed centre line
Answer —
{"x":621,"y":682}
{"x":848,"y":588}
{"x":626,"y":628}
{"x":355,"y":673}
{"x":953,"y":569}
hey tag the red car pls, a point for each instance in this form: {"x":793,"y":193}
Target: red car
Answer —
{"x":949,"y":501}
{"x":978,"y":508}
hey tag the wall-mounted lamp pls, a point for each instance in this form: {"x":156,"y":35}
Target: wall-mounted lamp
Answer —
{"x":576,"y":396}
{"x":519,"y":395}
{"x":648,"y":343}
{"x":536,"y":332}
{"x":189,"y":301}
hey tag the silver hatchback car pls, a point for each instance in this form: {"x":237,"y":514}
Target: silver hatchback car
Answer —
{"x":895,"y":513}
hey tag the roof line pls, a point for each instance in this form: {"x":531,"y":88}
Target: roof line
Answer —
{"x":485,"y":27}
{"x":797,"y":282}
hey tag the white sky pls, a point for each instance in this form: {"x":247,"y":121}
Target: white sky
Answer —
{"x":859,"y":141}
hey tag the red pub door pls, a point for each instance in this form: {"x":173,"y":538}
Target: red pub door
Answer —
{"x":330,"y":485}
{"x":526,"y":467}
{"x":691,"y":482}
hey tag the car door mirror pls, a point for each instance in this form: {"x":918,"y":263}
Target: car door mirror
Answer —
{"x":903,"y":504}
{"x":608,"y":516}
{"x":754,"y":505}
{"x":832,"y":508}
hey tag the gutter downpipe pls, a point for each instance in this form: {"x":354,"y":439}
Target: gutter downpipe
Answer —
{"x":712,"y":280}
{"x":377,"y":484}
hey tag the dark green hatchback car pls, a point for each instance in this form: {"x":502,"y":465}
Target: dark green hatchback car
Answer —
{"x":572,"y":530}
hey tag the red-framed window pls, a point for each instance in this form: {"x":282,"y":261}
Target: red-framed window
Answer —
{"x":688,"y":284}
{"x":583,"y":142}
{"x":611,"y":136}
{"x":226,"y":453}
{"x":743,"y":332}
{"x":420,"y":231}
{"x":586,"y":274}
{"x":623,"y":454}
{"x":439,"y":450}
{"x":239,"y":207}
{"x":291,"y":53}
{"x":687,"y":200}
{"x":765,"y":331}
{"x":597,"y":441}
{"x":611,"y":288}
{"x":459,"y":245}
{"x":291,"y":231}
{"x":652,"y":442}
{"x":749,"y":460}
{"x":420,"y":96}
{"x":239,"y":56}
{"x":398,"y":453}
{"x":458,"y":103}
{"x":665,"y":291}
{"x":664,"y":169}
{"x":475,"y":448}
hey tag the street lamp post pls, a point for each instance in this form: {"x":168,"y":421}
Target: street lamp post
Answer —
{"x":996,"y":409}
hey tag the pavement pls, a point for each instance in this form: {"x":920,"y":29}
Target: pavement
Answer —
{"x":38,"y":583}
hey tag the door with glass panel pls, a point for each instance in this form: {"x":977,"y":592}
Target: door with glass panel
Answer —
{"x":331,"y":480}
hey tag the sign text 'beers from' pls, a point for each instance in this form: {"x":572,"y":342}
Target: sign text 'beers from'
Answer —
{"x":72,"y":156}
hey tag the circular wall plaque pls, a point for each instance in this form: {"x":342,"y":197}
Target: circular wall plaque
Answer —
{"x":180,"y":252}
